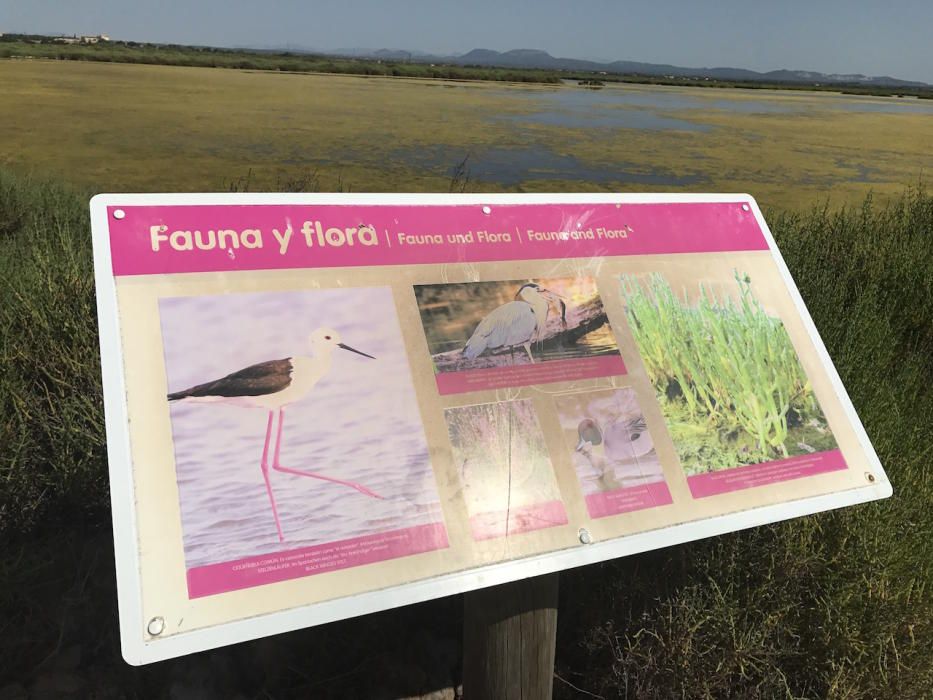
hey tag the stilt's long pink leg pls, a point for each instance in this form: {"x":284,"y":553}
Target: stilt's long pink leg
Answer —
{"x":314,"y":475}
{"x":264,"y":464}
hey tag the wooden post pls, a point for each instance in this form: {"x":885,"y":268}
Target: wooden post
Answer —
{"x":509,"y":636}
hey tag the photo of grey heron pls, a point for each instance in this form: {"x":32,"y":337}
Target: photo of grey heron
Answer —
{"x":475,"y":325}
{"x":516,"y":323}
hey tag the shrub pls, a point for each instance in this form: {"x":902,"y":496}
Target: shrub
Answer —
{"x":52,"y":466}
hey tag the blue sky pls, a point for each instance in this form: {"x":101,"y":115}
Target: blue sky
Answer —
{"x":833,"y":36}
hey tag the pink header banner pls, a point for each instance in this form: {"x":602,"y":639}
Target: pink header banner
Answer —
{"x":150,"y":240}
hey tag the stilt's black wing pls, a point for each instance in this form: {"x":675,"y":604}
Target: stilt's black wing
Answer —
{"x":255,"y":380}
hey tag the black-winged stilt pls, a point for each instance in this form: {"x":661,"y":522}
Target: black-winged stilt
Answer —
{"x":273,"y":385}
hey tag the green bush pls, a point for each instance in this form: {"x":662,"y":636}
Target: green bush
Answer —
{"x":52,"y":465}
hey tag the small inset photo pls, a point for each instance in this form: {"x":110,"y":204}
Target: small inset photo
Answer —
{"x":490,"y":335}
{"x":504,"y":470}
{"x":612,"y":451}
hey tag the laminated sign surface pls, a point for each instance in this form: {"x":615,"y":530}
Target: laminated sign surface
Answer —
{"x":320,"y":406}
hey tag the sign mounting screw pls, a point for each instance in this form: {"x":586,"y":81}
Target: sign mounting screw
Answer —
{"x":118,"y":213}
{"x":487,"y":210}
{"x":585,"y":536}
{"x":156,"y":626}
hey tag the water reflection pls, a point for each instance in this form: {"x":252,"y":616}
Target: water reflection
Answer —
{"x":641,"y":108}
{"x":513,"y":166}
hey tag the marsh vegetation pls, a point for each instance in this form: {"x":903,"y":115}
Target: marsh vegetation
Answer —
{"x":267,"y":130}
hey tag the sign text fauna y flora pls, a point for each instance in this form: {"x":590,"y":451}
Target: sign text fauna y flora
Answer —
{"x":314,"y":234}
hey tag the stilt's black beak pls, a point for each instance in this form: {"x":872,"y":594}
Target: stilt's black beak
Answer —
{"x":358,"y":352}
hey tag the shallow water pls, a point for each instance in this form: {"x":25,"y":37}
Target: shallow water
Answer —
{"x":639,"y":108}
{"x":359,"y":423}
{"x":515,"y":165}
{"x":623,"y":107}
{"x":598,"y":342}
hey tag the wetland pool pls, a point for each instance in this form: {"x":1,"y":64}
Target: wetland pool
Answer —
{"x":207,"y":128}
{"x":516,"y":165}
{"x":660,"y":108}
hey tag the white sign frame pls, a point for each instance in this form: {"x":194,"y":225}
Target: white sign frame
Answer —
{"x":135,"y":646}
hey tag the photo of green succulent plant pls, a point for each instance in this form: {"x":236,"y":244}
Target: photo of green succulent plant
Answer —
{"x":727,"y":377}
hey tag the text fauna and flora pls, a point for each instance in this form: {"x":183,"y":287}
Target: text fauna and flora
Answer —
{"x":314,"y":234}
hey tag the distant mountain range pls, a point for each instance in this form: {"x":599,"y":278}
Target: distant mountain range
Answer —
{"x":533,"y":58}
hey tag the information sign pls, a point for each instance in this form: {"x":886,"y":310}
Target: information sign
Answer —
{"x":320,"y":406}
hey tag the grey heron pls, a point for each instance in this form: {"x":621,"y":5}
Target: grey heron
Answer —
{"x":273,"y":385}
{"x":517,"y":322}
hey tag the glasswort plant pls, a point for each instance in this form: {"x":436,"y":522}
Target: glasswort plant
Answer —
{"x":730,"y":365}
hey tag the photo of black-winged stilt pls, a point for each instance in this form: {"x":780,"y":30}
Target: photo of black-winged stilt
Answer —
{"x":273,"y":385}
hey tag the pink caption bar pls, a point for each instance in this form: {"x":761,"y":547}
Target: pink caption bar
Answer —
{"x":529,"y":375}
{"x":600,"y":505}
{"x":308,"y":561}
{"x":152,"y":240}
{"x":715,"y":483}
